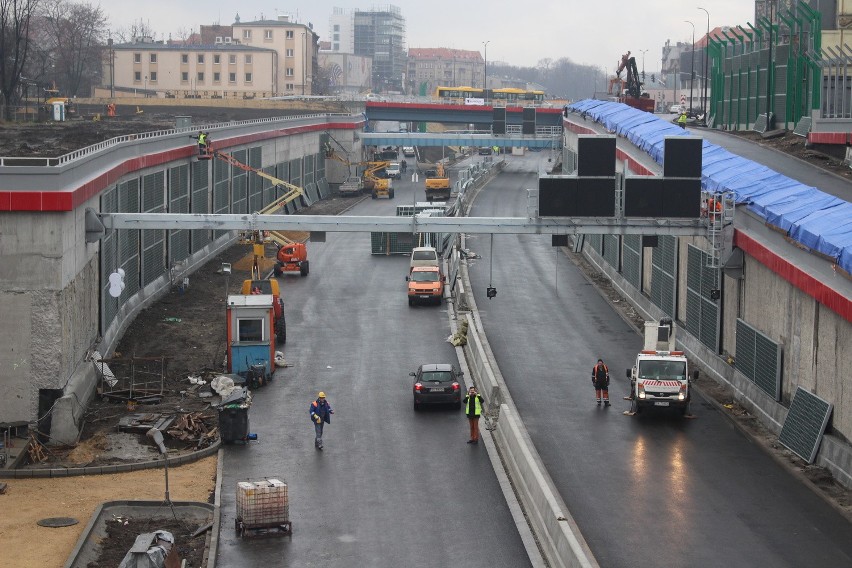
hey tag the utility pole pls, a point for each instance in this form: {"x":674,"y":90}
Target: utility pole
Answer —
{"x":485,"y":79}
{"x":692,"y":70}
{"x":706,"y":63}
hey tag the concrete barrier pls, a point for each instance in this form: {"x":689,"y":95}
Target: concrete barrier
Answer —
{"x":559,"y":539}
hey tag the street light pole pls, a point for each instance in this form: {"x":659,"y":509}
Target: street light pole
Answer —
{"x":304,"y":59}
{"x":706,"y":63}
{"x":642,"y":51}
{"x":692,"y":70}
{"x":485,"y":78}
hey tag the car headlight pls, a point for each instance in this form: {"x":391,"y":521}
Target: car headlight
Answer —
{"x":641,"y":391}
{"x":681,"y":396}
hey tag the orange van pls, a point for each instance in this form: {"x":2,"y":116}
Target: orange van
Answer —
{"x":425,"y":284}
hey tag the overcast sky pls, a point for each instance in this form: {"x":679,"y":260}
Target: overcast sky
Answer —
{"x":594,"y":32}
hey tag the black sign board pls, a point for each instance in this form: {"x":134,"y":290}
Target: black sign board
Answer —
{"x":595,"y":155}
{"x":682,"y":157}
{"x":576,"y":197}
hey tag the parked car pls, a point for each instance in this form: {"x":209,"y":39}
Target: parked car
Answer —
{"x":436,"y":384}
{"x":408,"y":151}
{"x":675,"y":109}
{"x":485,"y":151}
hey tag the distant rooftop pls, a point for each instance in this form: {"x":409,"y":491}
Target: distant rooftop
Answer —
{"x":443,"y":53}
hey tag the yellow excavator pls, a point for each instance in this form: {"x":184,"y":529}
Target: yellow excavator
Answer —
{"x":437,"y":183}
{"x":376,"y":185}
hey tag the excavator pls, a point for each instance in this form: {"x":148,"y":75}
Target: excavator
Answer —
{"x":629,"y":92}
{"x":376,"y":185}
{"x":437,"y":183}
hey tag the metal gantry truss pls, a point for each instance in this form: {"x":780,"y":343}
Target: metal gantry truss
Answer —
{"x":418,"y":224}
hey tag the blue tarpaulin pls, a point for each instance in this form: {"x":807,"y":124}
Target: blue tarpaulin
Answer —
{"x":817,"y":220}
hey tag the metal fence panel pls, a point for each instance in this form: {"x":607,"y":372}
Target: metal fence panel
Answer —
{"x":702,"y":312}
{"x":631,"y":260}
{"x":611,"y":246}
{"x":221,"y":191}
{"x":179,"y":203}
{"x":200,"y":200}
{"x":759,"y":359}
{"x":239,"y":185}
{"x":664,"y":274}
{"x":255,"y":182}
{"x":108,"y":259}
{"x":153,"y":240}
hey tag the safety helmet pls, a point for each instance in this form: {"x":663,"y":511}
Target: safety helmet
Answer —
{"x":321,"y":394}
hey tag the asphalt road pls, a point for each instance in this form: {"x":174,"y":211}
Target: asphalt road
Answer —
{"x":649,"y":490}
{"x":393,"y":487}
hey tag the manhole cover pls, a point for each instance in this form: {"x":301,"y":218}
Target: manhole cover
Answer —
{"x":56,"y":522}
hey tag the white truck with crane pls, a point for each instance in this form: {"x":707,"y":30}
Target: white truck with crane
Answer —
{"x":660,"y":376}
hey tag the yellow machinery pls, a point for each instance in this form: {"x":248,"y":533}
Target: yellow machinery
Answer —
{"x":437,"y":183}
{"x":378,"y":186}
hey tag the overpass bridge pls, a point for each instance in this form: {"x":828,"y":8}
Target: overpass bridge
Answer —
{"x":546,"y":137}
{"x":458,"y":114}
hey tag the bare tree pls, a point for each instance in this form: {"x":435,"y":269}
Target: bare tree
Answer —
{"x":137,"y":30}
{"x":15,"y":18}
{"x":78,"y":33}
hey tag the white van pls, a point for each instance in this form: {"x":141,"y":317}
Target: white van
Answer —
{"x":424,"y":256}
{"x":393,"y":170}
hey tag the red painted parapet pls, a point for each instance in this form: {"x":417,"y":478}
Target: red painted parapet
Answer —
{"x":811,"y":286}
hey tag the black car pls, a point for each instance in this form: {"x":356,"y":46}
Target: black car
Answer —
{"x":485,"y":151}
{"x":436,"y":384}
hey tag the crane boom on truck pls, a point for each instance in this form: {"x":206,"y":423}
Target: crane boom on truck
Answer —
{"x":378,"y":186}
{"x":630,"y":90}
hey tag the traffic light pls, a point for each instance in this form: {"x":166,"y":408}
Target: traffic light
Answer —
{"x":653,"y":78}
{"x":643,"y":74}
{"x":491,"y":292}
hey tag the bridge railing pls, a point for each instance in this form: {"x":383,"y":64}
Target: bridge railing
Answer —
{"x":112,"y":142}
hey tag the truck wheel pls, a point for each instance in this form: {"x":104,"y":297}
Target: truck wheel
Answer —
{"x":281,"y":330}
{"x":410,"y":302}
{"x":390,"y":195}
{"x":375,"y":195}
{"x":277,"y":270}
{"x":304,"y":269}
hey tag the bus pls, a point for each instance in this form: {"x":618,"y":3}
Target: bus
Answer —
{"x":507,"y":95}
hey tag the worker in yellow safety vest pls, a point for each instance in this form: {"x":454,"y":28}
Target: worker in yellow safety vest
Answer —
{"x":473,"y":409}
{"x":681,"y":120}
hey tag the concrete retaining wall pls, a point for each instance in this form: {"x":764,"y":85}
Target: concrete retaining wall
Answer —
{"x":50,"y":282}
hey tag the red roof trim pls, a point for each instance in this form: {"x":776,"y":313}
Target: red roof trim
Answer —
{"x":794,"y":275}
{"x":12,"y":200}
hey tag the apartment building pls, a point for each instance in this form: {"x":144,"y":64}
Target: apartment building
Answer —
{"x":148,"y":68}
{"x":295,"y":44}
{"x":432,"y":67}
